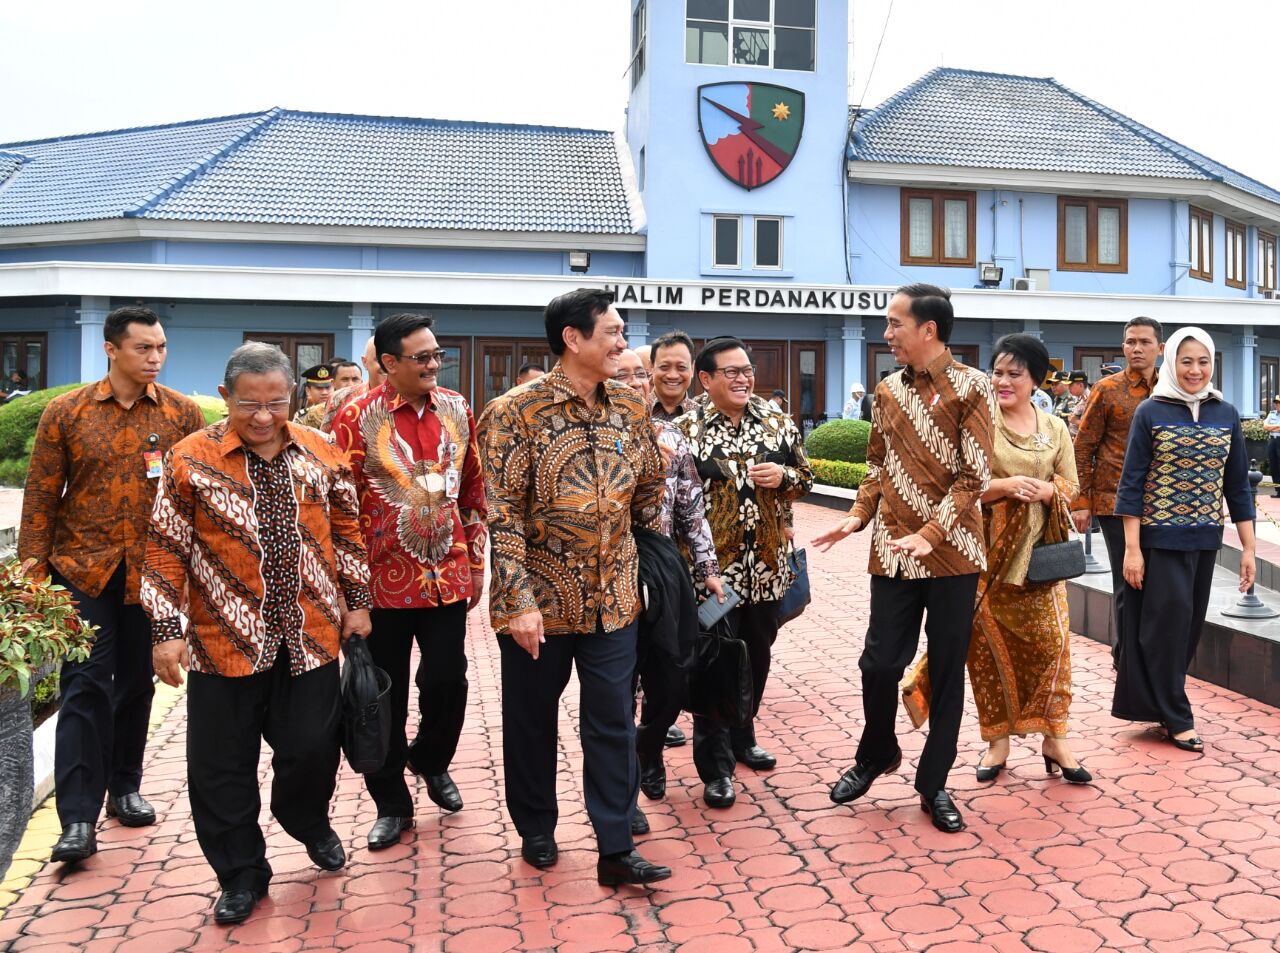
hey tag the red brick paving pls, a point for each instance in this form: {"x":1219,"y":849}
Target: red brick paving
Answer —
{"x":1169,"y":851}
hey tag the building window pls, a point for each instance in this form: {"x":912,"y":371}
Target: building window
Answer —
{"x":768,"y":33}
{"x":726,"y":241}
{"x":768,"y":243}
{"x":1266,"y":261}
{"x":640,"y":169}
{"x":639,"y":27}
{"x":1200,"y":244}
{"x":26,"y":354}
{"x":1235,"y":255}
{"x":938,"y":227}
{"x":1268,"y":382}
{"x":1093,"y":234}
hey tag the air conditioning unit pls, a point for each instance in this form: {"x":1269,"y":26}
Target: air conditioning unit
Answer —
{"x":1271,"y":294}
{"x":1022,"y":284}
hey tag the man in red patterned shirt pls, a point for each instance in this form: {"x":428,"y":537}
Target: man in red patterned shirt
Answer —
{"x":412,"y":449}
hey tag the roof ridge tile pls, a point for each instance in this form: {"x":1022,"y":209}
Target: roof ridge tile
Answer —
{"x":209,"y":120}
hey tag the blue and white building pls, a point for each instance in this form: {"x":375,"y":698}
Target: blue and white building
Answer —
{"x":743,"y":196}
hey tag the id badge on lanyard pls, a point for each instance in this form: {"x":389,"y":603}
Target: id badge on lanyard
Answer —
{"x":152,"y":458}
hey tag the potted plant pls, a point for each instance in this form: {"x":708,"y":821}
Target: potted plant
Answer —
{"x":39,"y":629}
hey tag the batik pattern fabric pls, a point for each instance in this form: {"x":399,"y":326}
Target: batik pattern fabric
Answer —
{"x":749,"y":522}
{"x":684,"y":515}
{"x":255,"y":552}
{"x":87,"y":501}
{"x":1020,"y":652}
{"x":565,"y":482}
{"x":1102,"y":437}
{"x":928,"y":464}
{"x":422,"y":501}
{"x":660,"y":413}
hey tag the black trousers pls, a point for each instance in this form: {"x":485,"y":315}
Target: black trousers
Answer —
{"x":1273,"y":459}
{"x":1160,"y":637}
{"x":227,"y":720}
{"x":106,"y":705}
{"x":1113,"y":535}
{"x":441,"y":634}
{"x":715,"y":744}
{"x":660,"y":706}
{"x":897,"y":606}
{"x":531,"y":691}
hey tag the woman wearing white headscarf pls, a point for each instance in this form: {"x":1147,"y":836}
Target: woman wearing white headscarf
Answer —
{"x":1186,"y":454}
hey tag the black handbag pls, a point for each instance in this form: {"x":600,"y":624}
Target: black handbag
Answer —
{"x":797,"y":596}
{"x":366,"y":708}
{"x":720,"y":685}
{"x":1056,"y":557}
{"x":1054,"y":562}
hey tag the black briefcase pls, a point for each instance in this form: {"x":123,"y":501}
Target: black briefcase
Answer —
{"x":720,"y":686}
{"x":366,"y":708}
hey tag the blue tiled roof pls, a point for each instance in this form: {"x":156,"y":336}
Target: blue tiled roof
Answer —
{"x":305,"y":168}
{"x":960,"y":117}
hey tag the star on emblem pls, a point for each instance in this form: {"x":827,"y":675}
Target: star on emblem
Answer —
{"x":781,"y":112}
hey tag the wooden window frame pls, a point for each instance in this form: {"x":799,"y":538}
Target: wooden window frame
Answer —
{"x":939,"y":198}
{"x":1265,"y":238}
{"x":20,"y":339}
{"x":1264,"y":398}
{"x":1196,"y":219}
{"x":1233,"y":229}
{"x":1091,"y":231}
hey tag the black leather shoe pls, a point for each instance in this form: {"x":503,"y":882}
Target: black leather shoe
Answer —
{"x":943,"y":810}
{"x":540,"y":850}
{"x":442,"y":790}
{"x":653,"y":779}
{"x":855,"y":782}
{"x":628,"y":868}
{"x":719,"y":793}
{"x":78,"y":842}
{"x":234,"y":906}
{"x":639,"y":823}
{"x":132,"y":809}
{"x":386,"y":831}
{"x":675,"y":737}
{"x":327,"y":852}
{"x":756,"y":758}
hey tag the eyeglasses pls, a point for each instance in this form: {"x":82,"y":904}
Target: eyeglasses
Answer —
{"x":733,"y":373}
{"x":254,"y":407}
{"x":623,"y":376}
{"x":426,"y":357}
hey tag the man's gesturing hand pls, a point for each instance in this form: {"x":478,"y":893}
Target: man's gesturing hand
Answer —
{"x":526,"y":629}
{"x":170,"y":659}
{"x":850,"y":524}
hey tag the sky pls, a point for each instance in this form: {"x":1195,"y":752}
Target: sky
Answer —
{"x":1201,"y":72}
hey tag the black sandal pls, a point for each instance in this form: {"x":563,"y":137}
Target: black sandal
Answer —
{"x":1187,"y":744}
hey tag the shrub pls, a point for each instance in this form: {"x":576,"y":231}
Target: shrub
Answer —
{"x":213,"y":407}
{"x":39,"y":625}
{"x":839,"y":473}
{"x":844,"y":440}
{"x":1253,"y":430}
{"x":18,"y":419}
{"x":14,"y":472}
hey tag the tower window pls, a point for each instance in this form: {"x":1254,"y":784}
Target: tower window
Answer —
{"x":765,"y":33}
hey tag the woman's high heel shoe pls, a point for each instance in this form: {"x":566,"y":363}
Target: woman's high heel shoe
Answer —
{"x":1077,"y":775}
{"x":989,"y":772}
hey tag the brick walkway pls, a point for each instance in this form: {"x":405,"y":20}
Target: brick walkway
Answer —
{"x":1170,"y":851}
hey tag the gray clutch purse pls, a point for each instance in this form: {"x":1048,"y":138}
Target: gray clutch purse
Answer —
{"x":1053,"y":562}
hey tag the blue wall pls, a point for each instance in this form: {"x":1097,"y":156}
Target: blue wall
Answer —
{"x":683,"y":186}
{"x":355,"y":257}
{"x":1022,"y":232}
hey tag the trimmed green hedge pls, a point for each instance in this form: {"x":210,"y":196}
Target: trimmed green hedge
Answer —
{"x":18,"y":419}
{"x":842,"y":440}
{"x":213,"y":407}
{"x":838,"y":473}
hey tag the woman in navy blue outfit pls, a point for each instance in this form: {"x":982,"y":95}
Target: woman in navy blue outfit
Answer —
{"x":1186,"y":455}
